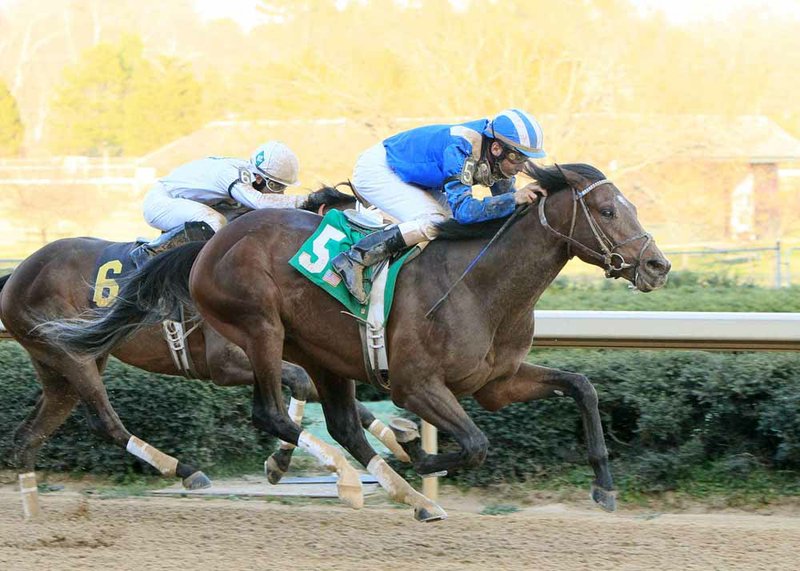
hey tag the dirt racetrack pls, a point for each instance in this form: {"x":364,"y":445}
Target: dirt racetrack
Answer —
{"x":90,"y":532}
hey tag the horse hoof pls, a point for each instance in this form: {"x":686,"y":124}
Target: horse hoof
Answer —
{"x":196,"y":481}
{"x":606,"y":499}
{"x":273,"y":471}
{"x":404,"y":430}
{"x":349,"y":488}
{"x":431,"y":513}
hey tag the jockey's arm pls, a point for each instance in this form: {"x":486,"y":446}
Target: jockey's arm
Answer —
{"x":469,"y":210}
{"x":466,"y":208}
{"x":503,"y":186}
{"x":250,"y":197}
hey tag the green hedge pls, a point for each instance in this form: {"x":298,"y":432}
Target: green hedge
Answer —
{"x":685,"y":291}
{"x":193,"y":420}
{"x":665,"y":413}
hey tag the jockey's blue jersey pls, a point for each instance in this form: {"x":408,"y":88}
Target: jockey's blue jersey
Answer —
{"x":433,"y":158}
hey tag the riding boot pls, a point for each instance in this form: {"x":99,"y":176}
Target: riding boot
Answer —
{"x":178,"y":236}
{"x":368,"y":251}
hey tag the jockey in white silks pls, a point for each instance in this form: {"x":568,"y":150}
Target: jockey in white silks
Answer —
{"x":178,"y":204}
{"x":424,"y":176}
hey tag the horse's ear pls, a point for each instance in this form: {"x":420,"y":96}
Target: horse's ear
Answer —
{"x":573,"y":179}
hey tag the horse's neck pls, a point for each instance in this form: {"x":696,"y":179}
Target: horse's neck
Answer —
{"x":526,"y":261}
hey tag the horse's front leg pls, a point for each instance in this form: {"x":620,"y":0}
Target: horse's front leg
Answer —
{"x":435,"y":403}
{"x":532,"y":383}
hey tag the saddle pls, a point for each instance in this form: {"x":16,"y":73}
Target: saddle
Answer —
{"x":178,"y":236}
{"x":366,"y":219}
{"x":336,"y":233}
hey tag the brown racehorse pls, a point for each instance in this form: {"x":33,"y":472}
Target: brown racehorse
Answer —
{"x":474,"y":344}
{"x":53,"y":281}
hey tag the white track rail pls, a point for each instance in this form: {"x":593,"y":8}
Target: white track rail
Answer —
{"x":728,"y":331}
{"x":668,"y":330}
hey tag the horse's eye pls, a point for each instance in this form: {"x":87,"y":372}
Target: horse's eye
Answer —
{"x":607,"y":213}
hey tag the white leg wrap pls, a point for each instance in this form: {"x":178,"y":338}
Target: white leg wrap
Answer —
{"x":386,"y":436}
{"x":165,"y":464}
{"x":401,"y":491}
{"x":29,"y":494}
{"x":296,"y":408}
{"x":349,"y":484}
{"x":327,"y":455}
{"x":397,"y":488}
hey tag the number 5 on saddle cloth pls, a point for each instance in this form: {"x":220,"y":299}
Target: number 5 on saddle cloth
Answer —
{"x":335,"y":234}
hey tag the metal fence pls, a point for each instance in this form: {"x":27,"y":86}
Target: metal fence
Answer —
{"x":769,"y":266}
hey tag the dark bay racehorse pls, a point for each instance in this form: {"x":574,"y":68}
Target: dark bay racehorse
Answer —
{"x":474,"y":344}
{"x":54,"y":281}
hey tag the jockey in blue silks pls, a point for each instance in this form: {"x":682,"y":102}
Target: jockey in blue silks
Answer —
{"x":424,"y":176}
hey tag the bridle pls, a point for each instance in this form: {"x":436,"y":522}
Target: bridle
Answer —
{"x":612,"y":261}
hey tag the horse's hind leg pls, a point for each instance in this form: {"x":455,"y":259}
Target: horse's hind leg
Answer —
{"x":228,"y":365}
{"x":53,"y":406}
{"x":265,"y":352}
{"x":302,"y":390}
{"x":86,"y":381}
{"x":382,"y":432}
{"x":342,"y":418}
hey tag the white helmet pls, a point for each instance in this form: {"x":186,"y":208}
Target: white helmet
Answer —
{"x":275,"y":161}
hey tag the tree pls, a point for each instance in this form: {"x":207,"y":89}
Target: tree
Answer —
{"x":88,"y":110}
{"x":115,"y":102}
{"x":164,"y":102}
{"x":11,"y":130}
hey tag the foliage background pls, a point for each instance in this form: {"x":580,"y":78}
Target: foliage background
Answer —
{"x":323,"y":59}
{"x":666,"y":414}
{"x":104,"y":80}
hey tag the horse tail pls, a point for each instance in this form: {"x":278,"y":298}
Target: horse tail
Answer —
{"x":150,"y":296}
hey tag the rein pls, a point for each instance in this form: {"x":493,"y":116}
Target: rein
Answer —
{"x":612,"y":261}
{"x":518,"y":213}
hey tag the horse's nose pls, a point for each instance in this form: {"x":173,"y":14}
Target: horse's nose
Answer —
{"x":658,"y":266}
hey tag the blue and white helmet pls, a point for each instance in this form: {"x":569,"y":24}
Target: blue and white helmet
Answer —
{"x":518,"y":130}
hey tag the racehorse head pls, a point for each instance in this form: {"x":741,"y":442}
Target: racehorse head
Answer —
{"x":600,"y":225}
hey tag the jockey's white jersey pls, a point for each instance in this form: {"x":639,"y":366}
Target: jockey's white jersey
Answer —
{"x":210,"y":179}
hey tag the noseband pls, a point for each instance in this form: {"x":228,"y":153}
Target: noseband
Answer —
{"x":612,"y":261}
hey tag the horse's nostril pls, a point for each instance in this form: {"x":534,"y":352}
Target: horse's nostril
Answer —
{"x":658,"y":266}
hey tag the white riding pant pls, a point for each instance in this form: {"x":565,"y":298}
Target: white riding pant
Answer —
{"x":164,"y":212}
{"x":416,"y":210}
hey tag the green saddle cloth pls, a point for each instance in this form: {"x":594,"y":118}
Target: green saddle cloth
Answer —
{"x":333,"y":236}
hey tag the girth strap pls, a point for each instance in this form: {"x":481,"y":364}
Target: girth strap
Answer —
{"x":176,"y":333}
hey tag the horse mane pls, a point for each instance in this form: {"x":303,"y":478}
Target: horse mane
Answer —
{"x":327,"y":197}
{"x":550,"y":179}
